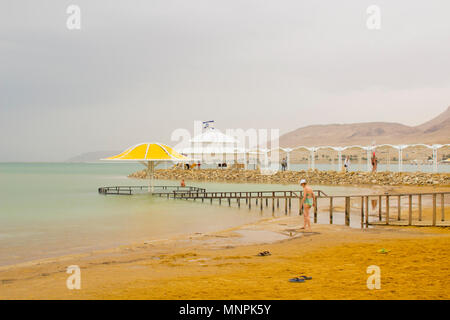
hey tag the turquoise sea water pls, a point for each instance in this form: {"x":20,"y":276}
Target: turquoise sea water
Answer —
{"x":51,"y":209}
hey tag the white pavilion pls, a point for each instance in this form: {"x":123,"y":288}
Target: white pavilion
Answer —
{"x":214,"y":147}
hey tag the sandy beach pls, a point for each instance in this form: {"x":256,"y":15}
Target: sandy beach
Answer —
{"x":233,"y":150}
{"x":225,"y":265}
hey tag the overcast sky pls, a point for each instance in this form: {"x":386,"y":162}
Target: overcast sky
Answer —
{"x":137,"y":70}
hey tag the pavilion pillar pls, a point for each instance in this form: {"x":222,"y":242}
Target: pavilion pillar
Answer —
{"x":389,"y":161}
{"x":435,"y":159}
{"x":368,"y":158}
{"x":266,"y":158}
{"x":245,"y":159}
{"x":313,"y":158}
{"x":257,"y":157}
{"x":224,"y":154}
{"x":400,"y":159}
{"x":339,"y":160}
{"x":237,"y":150}
{"x":150,"y":176}
{"x":288,"y":159}
{"x":360,"y":162}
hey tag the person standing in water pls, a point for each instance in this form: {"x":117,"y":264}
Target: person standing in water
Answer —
{"x":374,"y":169}
{"x":347,"y":163}
{"x":182,"y":184}
{"x":308,"y":201}
{"x":283,"y":164}
{"x":374,"y":162}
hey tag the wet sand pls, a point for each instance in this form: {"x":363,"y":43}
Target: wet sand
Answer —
{"x":226,"y":265}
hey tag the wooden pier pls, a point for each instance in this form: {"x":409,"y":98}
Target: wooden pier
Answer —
{"x":352,"y":205}
{"x":378,"y":209}
{"x":259,"y":197}
{"x":128,"y":190}
{"x":405,"y":209}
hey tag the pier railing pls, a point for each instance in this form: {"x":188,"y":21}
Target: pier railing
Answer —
{"x":404,"y":209}
{"x":244,"y":194}
{"x":409,"y":207}
{"x":258,"y":196}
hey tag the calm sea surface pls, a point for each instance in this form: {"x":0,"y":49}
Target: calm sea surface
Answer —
{"x":51,"y":209}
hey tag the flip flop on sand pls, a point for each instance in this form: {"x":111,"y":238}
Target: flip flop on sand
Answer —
{"x":305,"y":277}
{"x":297,"y":280}
{"x":264,"y":253}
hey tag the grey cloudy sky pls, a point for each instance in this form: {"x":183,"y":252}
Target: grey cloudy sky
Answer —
{"x":137,"y":70}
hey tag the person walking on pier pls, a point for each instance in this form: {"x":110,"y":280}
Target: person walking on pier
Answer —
{"x":308,"y":201}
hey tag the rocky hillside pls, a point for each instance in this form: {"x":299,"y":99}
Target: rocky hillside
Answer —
{"x":436,"y":130}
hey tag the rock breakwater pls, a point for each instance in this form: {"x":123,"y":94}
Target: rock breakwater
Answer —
{"x":293,"y":177}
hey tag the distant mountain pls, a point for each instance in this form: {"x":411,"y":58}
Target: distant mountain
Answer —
{"x":436,"y":130}
{"x":439,"y":123}
{"x":93,"y":156}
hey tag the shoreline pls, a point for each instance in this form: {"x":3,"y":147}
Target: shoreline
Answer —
{"x":162,"y":269}
{"x":177,"y":235}
{"x":180,"y":235}
{"x":217,"y":265}
{"x":173,"y":266}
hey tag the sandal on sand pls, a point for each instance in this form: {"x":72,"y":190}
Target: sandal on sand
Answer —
{"x":296,"y":280}
{"x":264,"y":253}
{"x":305,"y":277}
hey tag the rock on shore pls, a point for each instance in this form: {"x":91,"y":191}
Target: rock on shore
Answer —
{"x":293,"y":177}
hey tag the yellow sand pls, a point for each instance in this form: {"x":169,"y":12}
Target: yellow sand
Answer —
{"x":223,"y":266}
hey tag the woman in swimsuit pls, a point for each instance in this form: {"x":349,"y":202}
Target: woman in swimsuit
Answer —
{"x":308,"y":201}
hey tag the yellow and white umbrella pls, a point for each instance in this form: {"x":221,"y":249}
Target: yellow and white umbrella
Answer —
{"x":150,"y":155}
